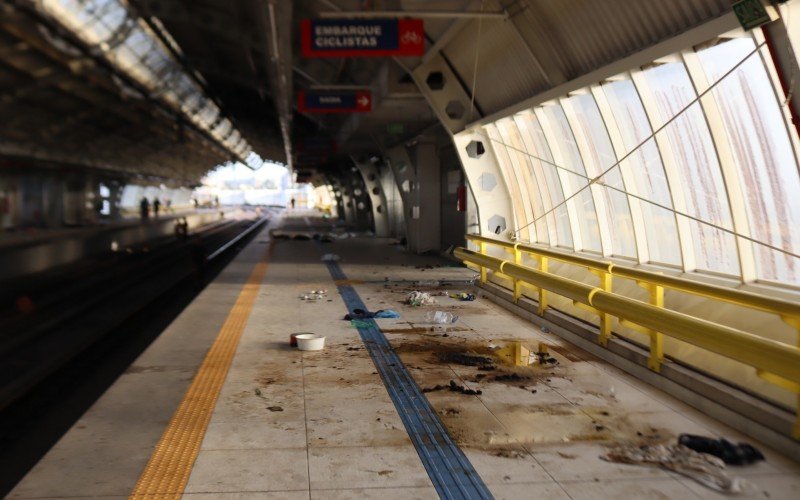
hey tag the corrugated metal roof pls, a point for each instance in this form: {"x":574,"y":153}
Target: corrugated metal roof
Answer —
{"x":547,"y":42}
{"x":505,"y":72}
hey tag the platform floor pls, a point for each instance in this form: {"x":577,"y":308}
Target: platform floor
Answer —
{"x":289,"y":424}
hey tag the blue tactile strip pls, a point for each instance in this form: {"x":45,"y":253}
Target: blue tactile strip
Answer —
{"x":449,"y":469}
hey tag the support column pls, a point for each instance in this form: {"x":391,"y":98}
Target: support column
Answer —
{"x":417,"y":175}
{"x":371,"y":179}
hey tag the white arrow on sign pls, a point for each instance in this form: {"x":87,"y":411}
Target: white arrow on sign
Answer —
{"x":363,"y":101}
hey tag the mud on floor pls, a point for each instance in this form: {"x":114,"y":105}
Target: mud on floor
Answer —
{"x":475,"y":416}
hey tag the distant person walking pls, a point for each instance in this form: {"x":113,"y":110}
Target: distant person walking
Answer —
{"x":144,"y":208}
{"x":293,"y":202}
{"x":156,"y":207}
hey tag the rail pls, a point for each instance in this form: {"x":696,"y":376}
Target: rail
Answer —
{"x":775,"y":362}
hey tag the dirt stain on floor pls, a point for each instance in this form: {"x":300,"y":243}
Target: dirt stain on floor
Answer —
{"x":509,"y":425}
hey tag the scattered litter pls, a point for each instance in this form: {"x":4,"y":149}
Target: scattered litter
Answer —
{"x":543,"y":357}
{"x":314,"y":295}
{"x":258,"y":391}
{"x":416,"y":299}
{"x":330,"y":257}
{"x":466,"y":359}
{"x":510,"y":453}
{"x":360,"y":323}
{"x":454,"y":387}
{"x":544,"y":329}
{"x":274,"y":408}
{"x":361,"y":314}
{"x":510,"y":377}
{"x":568,"y":456}
{"x":733,"y":454}
{"x":310,"y":342}
{"x":440,"y":317}
{"x":463,"y":296}
{"x":706,"y":469}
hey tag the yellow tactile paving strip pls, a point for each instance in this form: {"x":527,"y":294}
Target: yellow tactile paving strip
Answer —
{"x":167,"y":471}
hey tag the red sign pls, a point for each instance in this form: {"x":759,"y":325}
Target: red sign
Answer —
{"x":362,"y":37}
{"x":340,"y":101}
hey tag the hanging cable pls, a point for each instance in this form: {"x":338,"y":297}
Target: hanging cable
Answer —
{"x":475,"y":67}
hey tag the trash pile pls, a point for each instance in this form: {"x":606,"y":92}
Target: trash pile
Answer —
{"x":416,"y":299}
{"x":700,"y":458}
{"x":733,"y":454}
{"x":705,"y":469}
{"x":314,"y":295}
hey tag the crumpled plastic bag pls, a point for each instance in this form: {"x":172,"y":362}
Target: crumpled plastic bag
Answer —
{"x":330,"y":257}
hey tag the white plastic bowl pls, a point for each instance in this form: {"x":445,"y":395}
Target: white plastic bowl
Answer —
{"x":310,"y":342}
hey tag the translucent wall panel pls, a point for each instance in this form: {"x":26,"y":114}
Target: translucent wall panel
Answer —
{"x":599,"y":159}
{"x":570,"y":159}
{"x":644,"y":165}
{"x":763,"y":153}
{"x":509,"y":134}
{"x":504,"y":161}
{"x":700,"y":177}
{"x":542,"y":162}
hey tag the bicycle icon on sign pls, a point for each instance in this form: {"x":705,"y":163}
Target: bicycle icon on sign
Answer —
{"x":410,"y":38}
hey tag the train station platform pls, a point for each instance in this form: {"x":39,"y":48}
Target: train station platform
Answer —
{"x":220,"y":406}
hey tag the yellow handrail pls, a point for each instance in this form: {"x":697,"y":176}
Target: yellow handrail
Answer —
{"x":786,"y":309}
{"x":775,"y":362}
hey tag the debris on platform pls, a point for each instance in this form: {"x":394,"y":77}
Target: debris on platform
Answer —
{"x":706,"y":469}
{"x":441,"y":317}
{"x":732,"y":454}
{"x":463,"y":296}
{"x":330,"y":257}
{"x":454,"y":387}
{"x":361,"y":314}
{"x":417,"y":298}
{"x":314,"y":295}
{"x":466,"y":359}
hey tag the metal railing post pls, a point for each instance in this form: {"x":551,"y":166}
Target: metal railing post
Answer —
{"x":543,"y":267}
{"x":484,"y":271}
{"x":605,"y":318}
{"x":656,"y":338}
{"x":517,"y":283}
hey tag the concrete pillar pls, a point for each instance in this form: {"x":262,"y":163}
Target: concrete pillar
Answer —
{"x":394,"y":202}
{"x":417,"y":173}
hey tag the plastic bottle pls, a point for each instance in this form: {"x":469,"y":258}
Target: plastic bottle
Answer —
{"x":440,"y":317}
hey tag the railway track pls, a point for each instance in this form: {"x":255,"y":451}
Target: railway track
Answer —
{"x":84,"y":324}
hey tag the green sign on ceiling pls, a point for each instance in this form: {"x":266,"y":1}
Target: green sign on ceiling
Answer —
{"x":751,"y":13}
